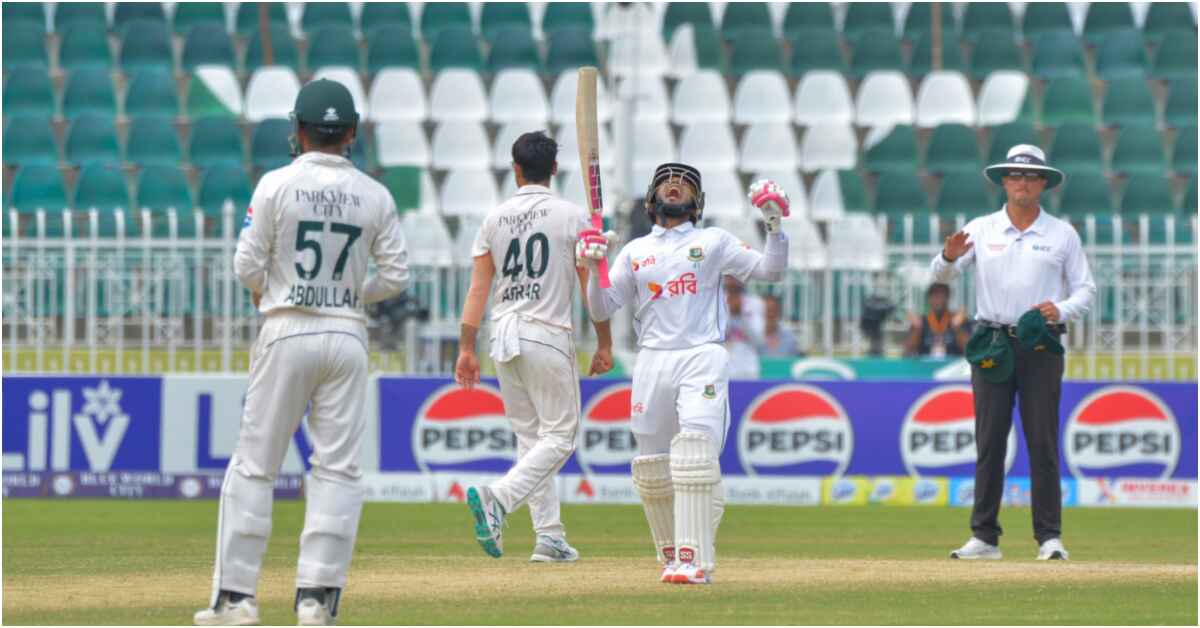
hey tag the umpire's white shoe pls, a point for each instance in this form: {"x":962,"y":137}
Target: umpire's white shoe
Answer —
{"x":244,"y":612}
{"x":553,"y":549}
{"x":690,"y":573}
{"x":1052,"y":550}
{"x":977,"y":550}
{"x":310,"y":612}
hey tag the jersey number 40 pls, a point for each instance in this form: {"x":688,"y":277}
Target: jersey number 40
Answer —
{"x":536,"y":258}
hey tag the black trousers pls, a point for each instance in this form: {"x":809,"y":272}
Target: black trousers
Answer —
{"x":1036,"y":384}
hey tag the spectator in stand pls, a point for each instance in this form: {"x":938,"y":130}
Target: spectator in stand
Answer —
{"x":941,"y":331}
{"x":777,"y":341}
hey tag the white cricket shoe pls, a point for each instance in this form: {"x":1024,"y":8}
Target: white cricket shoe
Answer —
{"x":244,"y":612}
{"x":977,"y":550}
{"x":488,"y":515}
{"x":553,"y":549}
{"x":1052,"y":550}
{"x":310,"y":612}
{"x":690,"y":573}
{"x":668,"y":572}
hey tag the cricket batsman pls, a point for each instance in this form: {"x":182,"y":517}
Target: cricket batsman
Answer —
{"x":303,"y":252}
{"x":680,"y":402}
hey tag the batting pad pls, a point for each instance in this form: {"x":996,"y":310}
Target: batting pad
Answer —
{"x":331,"y":513}
{"x":652,"y":478}
{"x":243,"y":528}
{"x":696,"y":473}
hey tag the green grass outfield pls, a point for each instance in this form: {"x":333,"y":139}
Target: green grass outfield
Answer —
{"x":150,"y":562}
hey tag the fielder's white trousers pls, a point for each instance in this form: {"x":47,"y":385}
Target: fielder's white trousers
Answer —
{"x":540,"y":387}
{"x":680,"y":390}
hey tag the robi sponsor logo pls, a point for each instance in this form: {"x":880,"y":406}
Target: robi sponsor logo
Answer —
{"x":608,"y":444}
{"x":1121,"y":430}
{"x":463,"y":430}
{"x":795,"y":430}
{"x":938,"y":435}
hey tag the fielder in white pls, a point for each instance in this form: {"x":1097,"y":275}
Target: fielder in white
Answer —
{"x":680,"y":401}
{"x":530,"y":238}
{"x":303,"y":253}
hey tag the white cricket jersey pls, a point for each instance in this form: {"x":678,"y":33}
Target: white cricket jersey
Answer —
{"x":1016,"y":270}
{"x":308,"y":233}
{"x":531,"y":238}
{"x":673,"y":278}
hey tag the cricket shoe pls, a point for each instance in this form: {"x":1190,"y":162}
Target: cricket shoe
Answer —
{"x":553,"y":549}
{"x":489,"y":519}
{"x":668,"y":572}
{"x":690,"y":573}
{"x":317,"y":606}
{"x":243,"y":612}
{"x":1052,"y":550}
{"x":976,"y":550}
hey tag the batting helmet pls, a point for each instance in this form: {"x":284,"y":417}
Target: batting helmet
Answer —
{"x":688,"y":175}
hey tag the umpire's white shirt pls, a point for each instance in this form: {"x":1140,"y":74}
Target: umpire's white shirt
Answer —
{"x":1016,"y":270}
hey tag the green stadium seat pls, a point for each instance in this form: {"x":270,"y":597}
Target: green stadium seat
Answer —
{"x":377,"y":14}
{"x":89,"y":90}
{"x":1167,"y":17}
{"x":152,"y":91}
{"x":864,"y":18}
{"x":84,"y":45}
{"x":965,"y":193}
{"x":1180,"y":109}
{"x":1139,"y":150}
{"x":1005,"y":136}
{"x":922,"y":56}
{"x":404,"y":182}
{"x":204,"y":99}
{"x":28,"y":90}
{"x":282,"y":45}
{"x":92,"y":137}
{"x":919,"y":21}
{"x":1183,"y":154}
{"x":900,"y":193}
{"x":189,"y":15}
{"x":979,"y":17}
{"x":953,"y":148}
{"x":214,"y":140}
{"x":1176,"y":56}
{"x":102,"y":187}
{"x":455,"y":47}
{"x":207,"y":43}
{"x":678,"y":13}
{"x":29,"y":139}
{"x":710,"y":50}
{"x":269,"y":147}
{"x":514,"y":47}
{"x":570,"y":48}
{"x":161,"y":188}
{"x":392,"y":45}
{"x":1057,"y":54}
{"x":1129,"y":102}
{"x":153,"y":141}
{"x":128,"y":12}
{"x":333,"y":45}
{"x":24,"y":45}
{"x":875,"y":50}
{"x":496,"y":16}
{"x":802,"y":17}
{"x":247,"y":22}
{"x":437,"y":16}
{"x":815,"y":49}
{"x":568,"y":15}
{"x":897,"y":152}
{"x":1068,"y":100}
{"x":145,"y":44}
{"x":1043,"y":17}
{"x":995,"y":50}
{"x":744,"y":18}
{"x":1189,"y":196}
{"x":34,"y":12}
{"x":1159,"y":234}
{"x":755,"y":51}
{"x":1076,"y":146}
{"x":1104,"y":235}
{"x":1122,"y":55}
{"x":1147,"y":193}
{"x":1104,"y":18}
{"x":319,"y":15}
{"x":1085,"y":192}
{"x":39,"y":186}
{"x":70,"y":13}
{"x":221,"y":182}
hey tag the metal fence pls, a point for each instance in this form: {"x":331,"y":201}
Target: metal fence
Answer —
{"x":154,"y":304}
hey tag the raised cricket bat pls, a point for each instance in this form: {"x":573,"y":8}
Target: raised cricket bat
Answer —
{"x":588,"y":135}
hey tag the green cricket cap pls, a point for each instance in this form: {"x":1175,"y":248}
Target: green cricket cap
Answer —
{"x":1034,"y":334}
{"x":989,"y":350}
{"x":325,"y":103}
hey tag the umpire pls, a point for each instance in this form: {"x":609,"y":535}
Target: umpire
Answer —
{"x":1031,"y":276}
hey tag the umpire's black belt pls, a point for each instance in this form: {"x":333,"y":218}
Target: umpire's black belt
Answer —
{"x":1011,"y":330}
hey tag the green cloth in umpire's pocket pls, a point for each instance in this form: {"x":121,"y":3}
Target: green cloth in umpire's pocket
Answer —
{"x":1035,"y":335}
{"x":989,"y":350}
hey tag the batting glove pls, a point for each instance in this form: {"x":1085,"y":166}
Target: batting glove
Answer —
{"x":771,"y":200}
{"x":592,"y":246}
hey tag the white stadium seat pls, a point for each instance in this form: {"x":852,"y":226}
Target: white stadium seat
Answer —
{"x":708,"y":145}
{"x":349,"y":77}
{"x":397,"y":94}
{"x":653,"y":144}
{"x":723,"y":194}
{"x":643,"y":52}
{"x":742,"y":228}
{"x":401,"y":143}
{"x":1001,"y":97}
{"x":464,"y":240}
{"x":825,"y":201}
{"x":806,"y":251}
{"x":650,"y":97}
{"x":469,"y":191}
{"x":428,"y":240}
{"x":833,"y":146}
{"x":681,"y":55}
{"x":518,"y":95}
{"x":856,"y":243}
{"x":271,"y":93}
{"x":562,"y":99}
{"x":461,"y":145}
{"x":457,"y":95}
{"x":700,"y":97}
{"x":568,"y":148}
{"x":762,"y":96}
{"x":945,"y":98}
{"x":571,"y":184}
{"x":822,"y":97}
{"x":509,"y":186}
{"x":884,"y":99}
{"x":769,"y":146}
{"x":502,"y":147}
{"x":221,"y":81}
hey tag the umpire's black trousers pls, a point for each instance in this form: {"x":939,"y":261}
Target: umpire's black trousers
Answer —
{"x":1036,"y":384}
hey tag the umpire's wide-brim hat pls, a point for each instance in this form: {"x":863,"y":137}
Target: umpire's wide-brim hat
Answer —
{"x":1025,"y":157}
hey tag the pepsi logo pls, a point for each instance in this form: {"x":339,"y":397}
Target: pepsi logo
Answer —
{"x":1122,"y":430}
{"x":608,"y":443}
{"x":938,"y":434}
{"x":458,"y":428}
{"x":795,"y":429}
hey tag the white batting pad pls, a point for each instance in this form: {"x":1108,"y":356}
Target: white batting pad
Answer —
{"x":652,"y":478}
{"x":695,"y":473}
{"x":243,"y":528}
{"x":331,"y":513}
